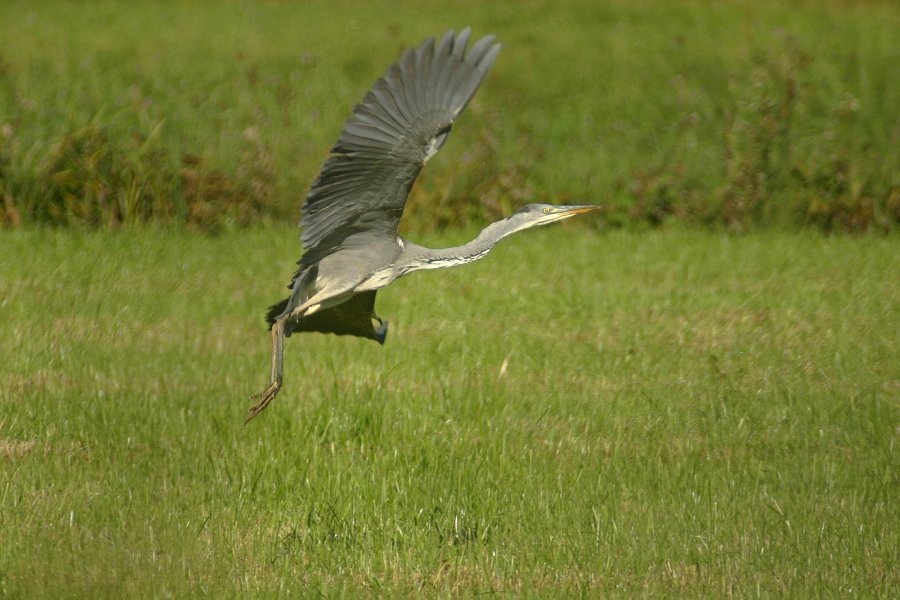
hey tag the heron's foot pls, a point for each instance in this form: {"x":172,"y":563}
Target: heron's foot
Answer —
{"x":263,"y":400}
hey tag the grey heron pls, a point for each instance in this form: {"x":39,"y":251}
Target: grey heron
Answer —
{"x":351,"y":215}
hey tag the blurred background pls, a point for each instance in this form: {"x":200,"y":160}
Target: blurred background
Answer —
{"x":734,"y":115}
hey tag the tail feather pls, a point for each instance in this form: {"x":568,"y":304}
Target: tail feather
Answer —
{"x":275,"y":311}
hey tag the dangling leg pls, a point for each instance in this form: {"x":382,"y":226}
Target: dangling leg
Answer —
{"x":277,"y":370}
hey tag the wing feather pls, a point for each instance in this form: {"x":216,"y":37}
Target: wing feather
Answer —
{"x":353,"y":317}
{"x":363,"y":186}
{"x":423,"y":65}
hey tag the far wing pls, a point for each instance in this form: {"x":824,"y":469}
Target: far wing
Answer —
{"x":399,"y":125}
{"x":353,"y":317}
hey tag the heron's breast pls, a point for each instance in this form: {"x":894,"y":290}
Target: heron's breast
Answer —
{"x":379,"y":279}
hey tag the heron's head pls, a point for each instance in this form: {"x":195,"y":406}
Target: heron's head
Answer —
{"x":532,"y":215}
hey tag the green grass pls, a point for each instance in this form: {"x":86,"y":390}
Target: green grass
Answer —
{"x":734,"y":114}
{"x":672,"y":413}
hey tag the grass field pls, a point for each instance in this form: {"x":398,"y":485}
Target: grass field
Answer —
{"x":734,"y":114}
{"x":591,"y":411}
{"x":579,"y":414}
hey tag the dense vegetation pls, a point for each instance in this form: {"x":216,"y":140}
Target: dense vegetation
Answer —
{"x":220,"y":114}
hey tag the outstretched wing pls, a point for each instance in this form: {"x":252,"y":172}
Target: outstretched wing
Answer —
{"x":399,"y":125}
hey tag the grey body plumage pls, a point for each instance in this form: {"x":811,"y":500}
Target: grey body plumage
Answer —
{"x":352,"y":213}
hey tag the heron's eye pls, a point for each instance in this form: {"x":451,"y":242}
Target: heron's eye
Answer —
{"x":546,"y":211}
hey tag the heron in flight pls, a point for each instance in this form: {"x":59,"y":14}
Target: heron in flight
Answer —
{"x":351,"y":215}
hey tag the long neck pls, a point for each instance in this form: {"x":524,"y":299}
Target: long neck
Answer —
{"x":415,"y":257}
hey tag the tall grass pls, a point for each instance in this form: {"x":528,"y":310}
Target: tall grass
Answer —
{"x":734,"y":115}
